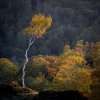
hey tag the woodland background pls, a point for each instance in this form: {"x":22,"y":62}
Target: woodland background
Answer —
{"x":67,"y":57}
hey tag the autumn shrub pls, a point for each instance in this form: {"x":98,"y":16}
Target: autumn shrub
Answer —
{"x":53,"y":66}
{"x":72,"y":57}
{"x":36,"y":65}
{"x":72,"y":73}
{"x":72,"y":79}
{"x":8,"y":70}
{"x":39,"y":70}
{"x":65,"y":72}
{"x":37,"y":83}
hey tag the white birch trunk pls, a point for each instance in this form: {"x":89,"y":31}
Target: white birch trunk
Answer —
{"x":31,"y":41}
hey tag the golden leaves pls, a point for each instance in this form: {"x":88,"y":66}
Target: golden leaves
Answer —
{"x":72,"y":72}
{"x":38,"y":25}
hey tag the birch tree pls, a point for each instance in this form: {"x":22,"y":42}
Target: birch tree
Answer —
{"x":36,"y":29}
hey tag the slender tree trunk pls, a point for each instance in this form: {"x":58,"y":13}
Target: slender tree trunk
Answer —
{"x":31,"y":41}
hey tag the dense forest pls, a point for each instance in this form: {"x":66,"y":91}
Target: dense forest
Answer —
{"x":72,"y":21}
{"x":67,"y":57}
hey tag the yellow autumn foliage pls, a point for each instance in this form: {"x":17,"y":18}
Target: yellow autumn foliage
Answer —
{"x":74,"y":78}
{"x":38,"y":25}
{"x":78,"y":60}
{"x":71,"y":57}
{"x":73,"y":73}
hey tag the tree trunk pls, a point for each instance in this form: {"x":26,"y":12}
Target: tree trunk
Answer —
{"x":31,"y":41}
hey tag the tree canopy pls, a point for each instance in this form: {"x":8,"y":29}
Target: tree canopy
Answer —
{"x":8,"y":70}
{"x":38,"y":25}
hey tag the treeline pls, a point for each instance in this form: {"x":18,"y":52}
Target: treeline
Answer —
{"x":75,"y":69}
{"x":72,"y":21}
